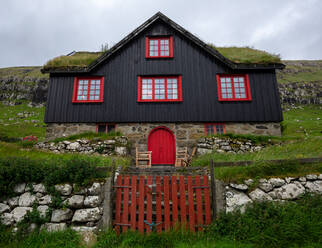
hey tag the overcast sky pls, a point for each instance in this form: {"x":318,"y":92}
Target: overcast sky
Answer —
{"x":34,"y":31}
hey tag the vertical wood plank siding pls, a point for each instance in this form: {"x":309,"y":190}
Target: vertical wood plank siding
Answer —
{"x":199,"y":89}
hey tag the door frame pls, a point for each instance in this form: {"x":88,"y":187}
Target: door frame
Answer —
{"x":172,"y":134}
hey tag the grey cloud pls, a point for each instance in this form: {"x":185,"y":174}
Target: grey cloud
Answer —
{"x":34,"y":31}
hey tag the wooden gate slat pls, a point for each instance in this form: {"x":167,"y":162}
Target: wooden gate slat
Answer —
{"x":125,"y":213}
{"x":207,"y":201}
{"x":174,"y":199}
{"x":133,"y":202}
{"x":199,"y":203}
{"x":191,"y":204}
{"x":158,"y":203}
{"x":195,"y":211}
{"x":166,"y":203}
{"x":149,"y":204}
{"x":141,"y":204}
{"x":118,"y":203}
{"x":183,"y":212}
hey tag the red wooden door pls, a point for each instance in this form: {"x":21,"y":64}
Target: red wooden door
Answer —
{"x":161,"y":143}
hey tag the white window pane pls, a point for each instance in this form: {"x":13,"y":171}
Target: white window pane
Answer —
{"x":92,"y":86}
{"x":243,"y":95}
{"x":175,"y":96}
{"x":97,"y":97}
{"x":229,"y":96}
{"x":85,"y":92}
{"x":91,"y":98}
{"x":236,"y":85}
{"x":229,"y":90}
{"x":150,"y":81}
{"x":223,"y":85}
{"x":224,"y":90}
{"x":224,"y":95}
{"x":223,"y":80}
{"x":237,"y":95}
{"x":170,"y":91}
{"x":97,"y":92}
{"x":79,"y":97}
{"x":174,"y":91}
{"x":235,"y":79}
{"x":166,"y":42}
{"x":156,"y":96}
{"x":166,"y":53}
{"x":242,"y":90}
{"x":162,"y":97}
{"x":162,"y":53}
{"x":241,"y":85}
{"x":91,"y":92}
{"x":241,"y":79}
{"x":228,"y":80}
{"x":228,"y":85}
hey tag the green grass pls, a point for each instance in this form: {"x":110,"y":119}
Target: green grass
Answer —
{"x":11,"y":125}
{"x":247,"y":55}
{"x":22,"y":72}
{"x":79,"y":59}
{"x":43,"y":239}
{"x":266,"y":224}
{"x":301,"y":71}
{"x":14,"y":150}
{"x":236,"y":54}
{"x":301,"y":139}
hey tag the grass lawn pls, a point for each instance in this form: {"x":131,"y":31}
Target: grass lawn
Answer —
{"x":301,"y":139}
{"x":14,"y":150}
{"x":14,"y":126}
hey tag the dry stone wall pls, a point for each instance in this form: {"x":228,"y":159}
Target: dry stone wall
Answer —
{"x":226,"y":145}
{"x":237,"y":196}
{"x":82,"y":208}
{"x":115,"y":146}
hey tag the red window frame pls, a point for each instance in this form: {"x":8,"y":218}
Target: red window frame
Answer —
{"x":147,"y":47}
{"x":76,"y":86}
{"x":106,"y":126}
{"x":179,"y":88}
{"x":232,"y":76}
{"x":214,"y":126}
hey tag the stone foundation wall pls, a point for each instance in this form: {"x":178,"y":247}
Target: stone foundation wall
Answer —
{"x":186,"y":134}
{"x":83,"y":209}
{"x":56,"y":130}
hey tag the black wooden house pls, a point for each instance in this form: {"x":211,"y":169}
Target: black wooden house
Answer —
{"x":163,"y":88}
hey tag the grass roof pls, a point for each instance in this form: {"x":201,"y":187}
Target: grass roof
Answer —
{"x":247,"y":55}
{"x":76,"y":60}
{"x":80,"y":60}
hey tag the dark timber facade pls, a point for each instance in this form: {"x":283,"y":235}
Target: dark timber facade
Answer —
{"x":194,"y":62}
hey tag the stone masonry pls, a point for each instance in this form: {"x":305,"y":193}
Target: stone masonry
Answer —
{"x":186,"y":134}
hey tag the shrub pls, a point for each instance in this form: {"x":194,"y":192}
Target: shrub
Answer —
{"x":14,"y":170}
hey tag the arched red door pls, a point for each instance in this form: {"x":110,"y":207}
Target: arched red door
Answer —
{"x":161,"y":143}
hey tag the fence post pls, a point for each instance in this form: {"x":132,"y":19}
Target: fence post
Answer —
{"x":213,"y":190}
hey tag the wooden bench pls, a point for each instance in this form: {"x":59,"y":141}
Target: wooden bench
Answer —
{"x":183,"y":158}
{"x":143,"y":156}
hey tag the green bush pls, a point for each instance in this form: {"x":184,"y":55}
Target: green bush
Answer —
{"x":42,"y":239}
{"x":272,"y":224}
{"x":74,"y":169}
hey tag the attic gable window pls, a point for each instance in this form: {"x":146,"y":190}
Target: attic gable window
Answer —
{"x":159,"y":89}
{"x":233,"y":88}
{"x":88,"y":89}
{"x":159,"y":47}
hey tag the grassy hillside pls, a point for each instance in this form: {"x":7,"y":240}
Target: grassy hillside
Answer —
{"x":22,"y":72}
{"x":301,"y":71}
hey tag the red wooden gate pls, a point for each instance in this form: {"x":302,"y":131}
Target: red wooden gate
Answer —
{"x":162,"y":144}
{"x":147,"y":203}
